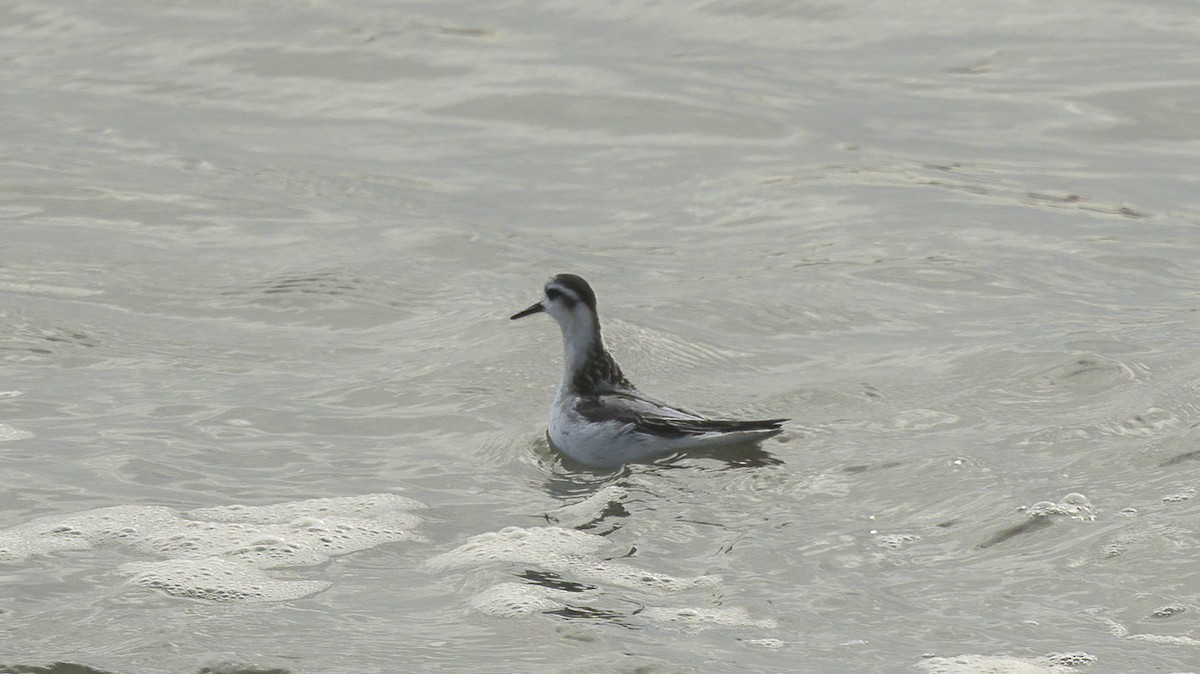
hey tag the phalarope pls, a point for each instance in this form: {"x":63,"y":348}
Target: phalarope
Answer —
{"x":598,"y":417}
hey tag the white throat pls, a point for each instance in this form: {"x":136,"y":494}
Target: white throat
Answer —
{"x":581,"y":339}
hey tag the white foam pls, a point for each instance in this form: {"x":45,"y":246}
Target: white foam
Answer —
{"x":1073,"y":505}
{"x":995,"y":664}
{"x":1180,"y":496}
{"x":564,"y":551}
{"x":894,"y":541}
{"x":766,"y":643}
{"x":1119,"y":630}
{"x":368,"y":506}
{"x":83,"y":530}
{"x":590,"y":509}
{"x":10,"y":433}
{"x":46,"y":289}
{"x":579,"y":578}
{"x":218,"y":579}
{"x":509,"y":600}
{"x":702,"y":618}
{"x":518,"y":544}
{"x":1071,"y":659}
{"x":922,"y":420}
{"x":220,"y":553}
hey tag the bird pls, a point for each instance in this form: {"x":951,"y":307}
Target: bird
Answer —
{"x":598,"y":417}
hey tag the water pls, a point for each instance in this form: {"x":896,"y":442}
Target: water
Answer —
{"x":260,"y":254}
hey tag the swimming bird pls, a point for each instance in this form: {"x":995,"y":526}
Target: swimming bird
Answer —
{"x":599,"y":418}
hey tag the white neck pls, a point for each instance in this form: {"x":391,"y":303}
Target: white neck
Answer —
{"x":581,"y":339}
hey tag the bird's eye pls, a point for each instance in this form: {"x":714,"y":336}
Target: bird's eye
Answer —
{"x":553,"y":293}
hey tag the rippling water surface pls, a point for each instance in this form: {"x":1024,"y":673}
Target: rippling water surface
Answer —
{"x":262,"y":410}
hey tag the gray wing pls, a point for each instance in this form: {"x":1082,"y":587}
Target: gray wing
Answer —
{"x":652,"y":416}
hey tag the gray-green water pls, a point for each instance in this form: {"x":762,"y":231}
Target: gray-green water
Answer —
{"x":259,"y":254}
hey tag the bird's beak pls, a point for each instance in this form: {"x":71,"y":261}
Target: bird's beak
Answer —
{"x":536,"y":308}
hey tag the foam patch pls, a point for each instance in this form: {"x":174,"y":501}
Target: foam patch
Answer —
{"x":701,"y":618}
{"x":1073,"y":505}
{"x":509,"y":600}
{"x":563,"y":551}
{"x":1051,"y":663}
{"x":361,"y":507}
{"x":570,"y":578}
{"x":84,"y":530}
{"x":1119,"y":630}
{"x":10,"y":433}
{"x":218,"y":579}
{"x":219,"y":554}
{"x":591,"y":509}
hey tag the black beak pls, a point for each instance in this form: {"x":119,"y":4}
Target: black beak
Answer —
{"x":535,"y":309}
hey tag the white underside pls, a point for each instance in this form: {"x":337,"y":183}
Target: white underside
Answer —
{"x":611,"y":444}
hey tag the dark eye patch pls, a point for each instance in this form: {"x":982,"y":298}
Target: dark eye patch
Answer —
{"x":554,"y":295}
